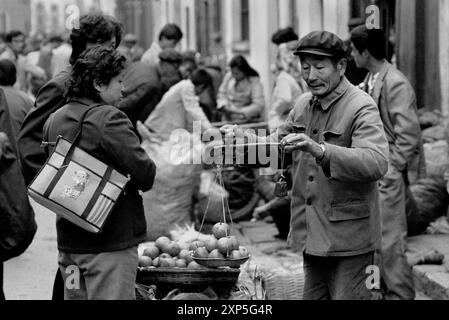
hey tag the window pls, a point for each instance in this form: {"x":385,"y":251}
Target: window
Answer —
{"x":3,"y":26}
{"x":245,"y":20}
{"x":206,"y":28}
{"x":55,"y":17}
{"x":217,"y":18}
{"x":188,"y":27}
{"x":40,"y":21}
{"x":294,"y":15}
{"x":358,"y":7}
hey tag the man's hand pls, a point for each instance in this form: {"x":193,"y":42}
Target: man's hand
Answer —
{"x":302,"y":142}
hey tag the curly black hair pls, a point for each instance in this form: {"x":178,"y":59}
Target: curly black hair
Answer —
{"x":94,"y":28}
{"x":97,"y":65}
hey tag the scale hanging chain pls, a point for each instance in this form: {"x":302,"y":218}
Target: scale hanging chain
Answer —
{"x":207,"y":208}
{"x":221,"y":183}
{"x":282,"y":160}
{"x":227,"y":205}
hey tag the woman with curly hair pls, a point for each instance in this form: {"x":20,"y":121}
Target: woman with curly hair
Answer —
{"x":106,"y":262}
{"x":94,"y":29}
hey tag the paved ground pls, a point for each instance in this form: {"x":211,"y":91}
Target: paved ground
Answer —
{"x":30,"y":277}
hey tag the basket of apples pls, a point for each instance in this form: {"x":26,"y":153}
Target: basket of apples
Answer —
{"x":221,"y":250}
{"x":170,"y":262}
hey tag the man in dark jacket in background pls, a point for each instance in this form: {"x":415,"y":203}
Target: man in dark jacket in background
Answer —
{"x":354,"y":74}
{"x":17,"y":225}
{"x":396,"y":101}
{"x":141,"y":92}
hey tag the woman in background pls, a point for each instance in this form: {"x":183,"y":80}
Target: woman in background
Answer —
{"x":240,"y":97}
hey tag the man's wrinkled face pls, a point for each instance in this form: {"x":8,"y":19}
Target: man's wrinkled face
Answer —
{"x":321,"y":74}
{"x":360,"y":59}
{"x":18,"y":44}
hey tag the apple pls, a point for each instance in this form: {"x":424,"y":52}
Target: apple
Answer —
{"x":215,"y":254}
{"x":201,"y":253}
{"x":145,"y":261}
{"x":172,"y":248}
{"x":156,"y":262}
{"x":186,"y":255}
{"x":221,"y":230}
{"x":235,"y":254}
{"x":166,"y":262}
{"x":211,"y":244}
{"x":184,"y":245}
{"x":151,"y":251}
{"x":161,"y":242}
{"x":181,"y":263}
{"x":196,"y":244}
{"x":165,"y":256}
{"x":244,"y":251}
{"x":194,"y":265}
{"x":234,"y":243}
{"x":224,"y":246}
{"x":172,"y":263}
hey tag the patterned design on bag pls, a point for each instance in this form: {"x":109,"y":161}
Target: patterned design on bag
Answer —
{"x":81,"y":179}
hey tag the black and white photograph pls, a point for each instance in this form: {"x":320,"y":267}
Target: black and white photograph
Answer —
{"x":241,"y":152}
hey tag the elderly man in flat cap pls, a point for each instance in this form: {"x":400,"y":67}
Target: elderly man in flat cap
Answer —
{"x":339,"y":153}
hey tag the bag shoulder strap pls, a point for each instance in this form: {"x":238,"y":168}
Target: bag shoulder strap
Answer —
{"x":81,"y":121}
{"x":79,"y":132}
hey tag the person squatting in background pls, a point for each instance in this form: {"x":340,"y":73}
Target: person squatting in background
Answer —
{"x":241,"y":97}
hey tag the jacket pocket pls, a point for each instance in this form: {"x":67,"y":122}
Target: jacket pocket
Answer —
{"x":351,"y":211}
{"x":351,"y":228}
{"x":334,"y":137}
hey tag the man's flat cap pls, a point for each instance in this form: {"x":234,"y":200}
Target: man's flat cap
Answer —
{"x":171,"y":56}
{"x":322,"y":43}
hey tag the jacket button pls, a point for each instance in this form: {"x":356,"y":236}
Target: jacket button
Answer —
{"x":315,"y":131}
{"x":309,"y":202}
{"x":310,"y":178}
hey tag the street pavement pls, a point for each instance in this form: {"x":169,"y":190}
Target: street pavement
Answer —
{"x":30,"y":276}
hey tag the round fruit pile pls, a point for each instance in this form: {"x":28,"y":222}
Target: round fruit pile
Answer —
{"x":171,"y":254}
{"x":221,"y":246}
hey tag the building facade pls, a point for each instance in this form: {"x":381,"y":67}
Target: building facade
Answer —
{"x":15,"y":15}
{"x":56,"y":16}
{"x":220,"y":29}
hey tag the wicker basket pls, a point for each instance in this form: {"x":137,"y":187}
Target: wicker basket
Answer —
{"x":193,"y":277}
{"x":284,"y":285}
{"x":222,"y":280}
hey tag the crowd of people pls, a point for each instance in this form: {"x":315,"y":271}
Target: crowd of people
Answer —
{"x":351,"y":144}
